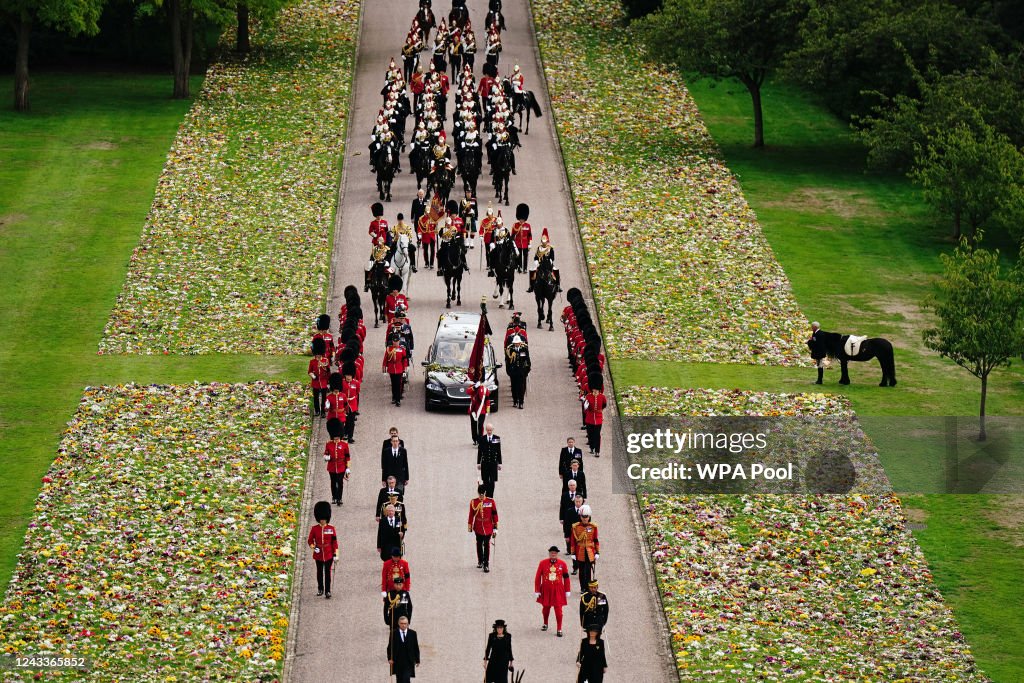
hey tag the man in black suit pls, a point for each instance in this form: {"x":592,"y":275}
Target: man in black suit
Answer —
{"x":403,"y":652}
{"x":390,"y":531}
{"x":575,"y":473}
{"x":419,"y":207}
{"x":567,"y":455}
{"x":488,"y":458}
{"x":384,"y":495}
{"x":394,"y":462}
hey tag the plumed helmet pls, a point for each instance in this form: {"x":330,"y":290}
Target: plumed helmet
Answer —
{"x":335,"y":428}
{"x":378,"y":209}
{"x":319,"y":346}
{"x":522,"y":212}
{"x":348,"y":368}
{"x":585,"y":511}
{"x":335,"y":382}
{"x":323,"y":322}
{"x":322,"y":511}
{"x":395,"y":282}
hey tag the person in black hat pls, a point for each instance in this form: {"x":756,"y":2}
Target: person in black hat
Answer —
{"x":337,"y":457}
{"x":350,"y":392}
{"x":592,"y":660}
{"x":323,"y":327}
{"x":522,"y":235}
{"x":498,"y":654}
{"x":323,"y":539}
{"x":551,"y":587}
{"x":593,"y":607}
{"x":319,"y":372}
{"x":397,"y":604}
{"x":594,"y":404}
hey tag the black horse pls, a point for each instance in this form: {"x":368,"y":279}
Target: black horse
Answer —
{"x":459,"y":16}
{"x":494,"y":15}
{"x":441,"y":181}
{"x":469,"y":169}
{"x":451,"y":260}
{"x":522,"y":103}
{"x":379,"y":290}
{"x":832,"y":345}
{"x":426,"y":19}
{"x":501,"y":168}
{"x":504,"y":259}
{"x":384,"y":166}
{"x":419,"y":162}
{"x":545,"y":287}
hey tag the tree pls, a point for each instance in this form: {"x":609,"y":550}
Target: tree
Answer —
{"x":640,"y":8}
{"x":184,"y":16}
{"x":980,"y":310}
{"x":971,"y":174}
{"x":72,"y":16}
{"x":263,"y":10}
{"x":741,"y":39}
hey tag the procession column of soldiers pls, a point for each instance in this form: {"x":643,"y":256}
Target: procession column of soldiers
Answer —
{"x":336,"y":369}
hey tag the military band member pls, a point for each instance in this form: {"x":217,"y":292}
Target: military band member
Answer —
{"x":551,"y":587}
{"x":479,"y":406}
{"x":392,"y":569}
{"x":319,"y":371}
{"x":522,"y":235}
{"x":350,"y":393}
{"x":488,"y":458}
{"x":593,"y":607}
{"x":397,"y":604}
{"x":585,"y":546}
{"x":390,"y":532}
{"x":498,"y":657}
{"x":337,"y":457}
{"x":323,"y":540}
{"x":483,"y":522}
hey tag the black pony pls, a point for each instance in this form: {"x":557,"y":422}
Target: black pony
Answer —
{"x":379,"y":290}
{"x":832,"y":345}
{"x":440,"y":181}
{"x":419,"y":160}
{"x":469,"y":169}
{"x":384,"y":166}
{"x":501,"y":167}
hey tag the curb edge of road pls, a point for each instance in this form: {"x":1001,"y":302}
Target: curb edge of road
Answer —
{"x":315,"y":436}
{"x":636,"y":516}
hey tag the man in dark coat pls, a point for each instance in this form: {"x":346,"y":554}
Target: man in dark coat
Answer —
{"x":569,"y":453}
{"x":403,"y":652}
{"x":488,"y":458}
{"x":390,"y":531}
{"x":575,"y":474}
{"x":384,"y":495}
{"x":397,"y":604}
{"x":394,"y":462}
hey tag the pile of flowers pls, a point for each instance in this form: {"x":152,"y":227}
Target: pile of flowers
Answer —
{"x":164,"y":533}
{"x":777,"y":588}
{"x":234,"y":252}
{"x":680,"y":267}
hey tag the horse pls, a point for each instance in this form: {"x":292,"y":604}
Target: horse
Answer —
{"x":522,"y":103}
{"x":545,"y":287}
{"x":440,"y":182}
{"x":504,"y":259}
{"x":832,"y":345}
{"x":494,"y":15}
{"x":425,"y":17}
{"x":419,"y":162}
{"x":458,"y":17}
{"x":379,"y":276}
{"x":469,"y":169}
{"x":400,"y":264}
{"x":384,"y":167}
{"x":501,"y":167}
{"x":451,"y":262}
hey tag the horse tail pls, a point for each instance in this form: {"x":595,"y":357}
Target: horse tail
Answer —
{"x":534,"y":106}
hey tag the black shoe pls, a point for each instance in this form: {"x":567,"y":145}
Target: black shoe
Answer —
{"x":574,"y":571}
{"x":597,"y":455}
{"x":351,"y":440}
{"x":559,"y":634}
{"x":319,"y":591}
{"x":513,"y":171}
{"x":414,"y":269}
{"x":479,"y":565}
{"x":328,"y":596}
{"x":366,"y":288}
{"x":487,"y":570}
{"x":465,"y":268}
{"x":544,"y":627}
{"x":529,"y":289}
{"x":398,"y":404}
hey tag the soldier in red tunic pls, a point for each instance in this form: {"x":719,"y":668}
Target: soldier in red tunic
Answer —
{"x":323,"y":326}
{"x":319,"y":370}
{"x":594,"y":404}
{"x":337,"y":457}
{"x":394,"y":365}
{"x":350,"y":394}
{"x":392,"y":569}
{"x":379,"y":225}
{"x":483,"y":521}
{"x":395,"y":298}
{"x":522,"y":235}
{"x":323,"y":539}
{"x":334,"y":404}
{"x":479,"y":405}
{"x":551,"y":587}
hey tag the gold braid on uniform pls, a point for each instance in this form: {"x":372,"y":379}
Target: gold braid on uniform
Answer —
{"x":589,"y":605}
{"x":395,"y":602}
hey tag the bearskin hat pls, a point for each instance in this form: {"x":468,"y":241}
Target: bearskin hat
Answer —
{"x":347,"y":336}
{"x":594,"y":343}
{"x":322,"y":511}
{"x":354,"y":313}
{"x":490,"y":70}
{"x":595,"y":380}
{"x":323,"y":323}
{"x":377,"y":209}
{"x":452,"y":207}
{"x":335,"y":428}
{"x":335,"y":382}
{"x":395,"y":282}
{"x":522,"y":212}
{"x":319,"y":346}
{"x":573,"y":294}
{"x":347,"y":355}
{"x":350,"y":292}
{"x":348,"y":368}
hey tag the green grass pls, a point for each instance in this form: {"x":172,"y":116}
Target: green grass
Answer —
{"x":77,"y":176}
{"x":861,"y":251}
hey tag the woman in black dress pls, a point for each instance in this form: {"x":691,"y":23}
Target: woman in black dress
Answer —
{"x":498,"y":655}
{"x":591,"y":659}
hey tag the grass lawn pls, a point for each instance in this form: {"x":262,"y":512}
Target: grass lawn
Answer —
{"x":77,"y":176}
{"x":861,"y":251}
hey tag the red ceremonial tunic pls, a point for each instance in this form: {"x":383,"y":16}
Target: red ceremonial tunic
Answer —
{"x":338,"y":456}
{"x":328,"y":341}
{"x":487,"y":227}
{"x":350,"y":392}
{"x":483,"y":516}
{"x":583,"y":542}
{"x":459,"y":225}
{"x":394,"y":568}
{"x":335,"y":405}
{"x":552,"y":582}
{"x":522,"y":234}
{"x":478,"y":396}
{"x":324,"y":539}
{"x":321,"y":368}
{"x":378,"y":228}
{"x":593,"y":409}
{"x":486,"y":83}
{"x":391,"y":302}
{"x":394,"y":364}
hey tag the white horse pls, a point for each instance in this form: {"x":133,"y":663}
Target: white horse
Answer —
{"x":400,"y":263}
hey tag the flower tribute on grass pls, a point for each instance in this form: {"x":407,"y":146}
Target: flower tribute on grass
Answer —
{"x":680,"y":267}
{"x":163,"y":536}
{"x":785,"y":588}
{"x":234,"y":253}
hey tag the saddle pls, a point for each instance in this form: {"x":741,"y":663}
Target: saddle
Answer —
{"x":852,"y":345}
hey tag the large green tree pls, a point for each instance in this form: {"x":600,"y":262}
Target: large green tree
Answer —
{"x":72,"y":16}
{"x":184,"y":17}
{"x":742,"y":39}
{"x":979,"y":307}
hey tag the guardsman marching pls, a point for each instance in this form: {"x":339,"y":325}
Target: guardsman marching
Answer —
{"x":479,"y":406}
{"x":323,"y":327}
{"x":522,"y":235}
{"x":544,"y":252}
{"x":394,"y":365}
{"x":379,"y":225}
{"x":350,"y":393}
{"x":319,"y":371}
{"x":585,"y":545}
{"x":593,"y":607}
{"x":594,"y":404}
{"x":334,"y":404}
{"x":323,"y":540}
{"x":395,"y":298}
{"x":337,"y":457}
{"x":483,"y":522}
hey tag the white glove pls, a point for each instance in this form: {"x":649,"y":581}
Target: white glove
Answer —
{"x":327,"y":458}
{"x":567,"y":596}
{"x":597,"y":556}
{"x":383,"y":594}
{"x":536,"y":595}
{"x":315,"y":549}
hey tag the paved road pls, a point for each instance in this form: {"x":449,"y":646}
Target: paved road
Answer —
{"x":455,"y":604}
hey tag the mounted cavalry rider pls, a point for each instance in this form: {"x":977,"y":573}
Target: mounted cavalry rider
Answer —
{"x":451,"y":238}
{"x":518,"y":82}
{"x":544,"y":252}
{"x":379,"y":253}
{"x":410,"y":53}
{"x":498,"y":237}
{"x":402,"y":228}
{"x":442,"y":152}
{"x":440,"y":50}
{"x":386,"y":139}
{"x":501,"y":140}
